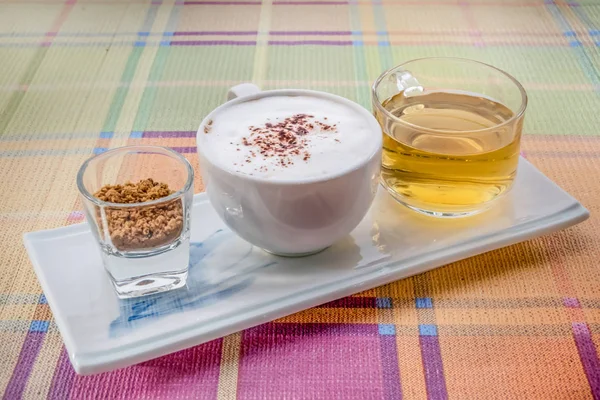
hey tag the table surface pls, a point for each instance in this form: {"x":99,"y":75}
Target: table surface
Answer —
{"x":78,"y":77}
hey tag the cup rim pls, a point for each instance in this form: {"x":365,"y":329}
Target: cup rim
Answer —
{"x":293,"y":92}
{"x":101,"y":203}
{"x":382,"y":109}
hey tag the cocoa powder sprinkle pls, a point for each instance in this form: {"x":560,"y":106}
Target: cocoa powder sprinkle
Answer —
{"x":286,"y":139}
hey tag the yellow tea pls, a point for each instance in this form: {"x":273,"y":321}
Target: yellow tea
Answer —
{"x":451,"y":153}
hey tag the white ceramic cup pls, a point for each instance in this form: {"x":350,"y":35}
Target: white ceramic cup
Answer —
{"x":291,"y":218}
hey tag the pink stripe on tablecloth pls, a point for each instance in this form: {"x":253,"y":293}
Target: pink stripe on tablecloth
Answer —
{"x":433,"y":367}
{"x":323,"y":329}
{"x":188,"y":374}
{"x":256,"y":3}
{"x":571,"y":302}
{"x":324,"y":361}
{"x":222,"y":3}
{"x":252,"y":33}
{"x":75,"y":216}
{"x":29,"y":351}
{"x":351,"y":302}
{"x":443,"y":33}
{"x":307,"y":33}
{"x":390,"y":370}
{"x":392,"y":42}
{"x":62,"y":381}
{"x":384,"y":2}
{"x":588,"y":355}
{"x":309,"y":3}
{"x":213,"y":43}
{"x":214,"y":33}
{"x":60,"y":20}
{"x":311,"y":42}
{"x":189,"y":149}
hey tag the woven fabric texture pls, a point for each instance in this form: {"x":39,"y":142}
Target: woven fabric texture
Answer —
{"x":81,"y":76}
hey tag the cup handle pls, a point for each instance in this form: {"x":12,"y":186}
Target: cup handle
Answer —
{"x":241,"y":90}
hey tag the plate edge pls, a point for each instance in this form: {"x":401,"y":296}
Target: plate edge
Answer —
{"x":92,"y":364}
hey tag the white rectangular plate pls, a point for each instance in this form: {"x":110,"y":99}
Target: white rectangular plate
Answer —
{"x":232,"y":286}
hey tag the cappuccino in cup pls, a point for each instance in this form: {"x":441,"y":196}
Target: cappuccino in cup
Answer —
{"x":290,"y":171}
{"x":288,"y":138}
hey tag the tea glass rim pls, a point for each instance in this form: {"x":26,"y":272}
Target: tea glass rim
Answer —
{"x":400,"y":121}
{"x":85,"y":193}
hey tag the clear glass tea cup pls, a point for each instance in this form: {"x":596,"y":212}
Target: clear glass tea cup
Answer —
{"x":451,"y":134}
{"x":144,"y":246}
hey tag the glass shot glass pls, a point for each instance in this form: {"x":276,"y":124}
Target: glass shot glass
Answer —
{"x":451,"y":134}
{"x":145,"y":246}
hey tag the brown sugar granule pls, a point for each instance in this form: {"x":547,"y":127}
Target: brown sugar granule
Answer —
{"x":140,"y":227}
{"x":144,"y":190}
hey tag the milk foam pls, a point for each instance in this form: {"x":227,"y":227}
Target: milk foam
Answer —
{"x":330,"y":151}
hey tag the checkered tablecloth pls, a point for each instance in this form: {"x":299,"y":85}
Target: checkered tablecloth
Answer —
{"x":78,"y":77}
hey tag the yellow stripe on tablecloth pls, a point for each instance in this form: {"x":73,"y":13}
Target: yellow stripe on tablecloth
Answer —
{"x":261,"y":54}
{"x":335,"y":316}
{"x":410,"y":363}
{"x":499,"y":317}
{"x":100,"y":94}
{"x":135,"y":93}
{"x":228,"y":369}
{"x":411,"y":366}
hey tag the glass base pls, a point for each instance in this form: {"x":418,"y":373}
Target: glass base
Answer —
{"x":150,"y":284}
{"x":443,"y":214}
{"x":150,"y":273}
{"x":448,"y":213}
